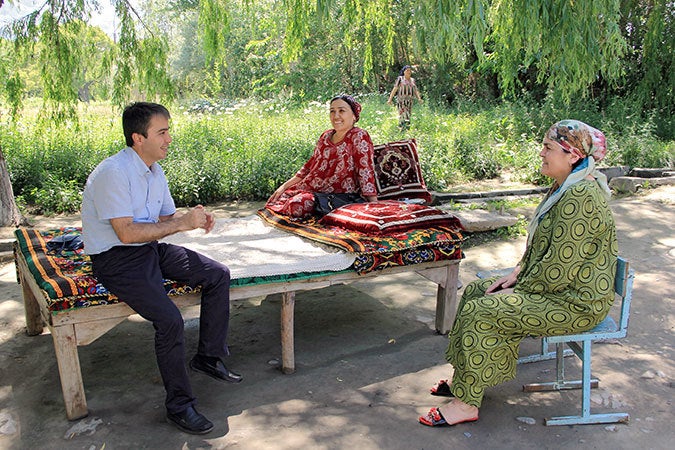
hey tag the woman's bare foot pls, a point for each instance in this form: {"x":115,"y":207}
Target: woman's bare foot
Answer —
{"x":457,"y":412}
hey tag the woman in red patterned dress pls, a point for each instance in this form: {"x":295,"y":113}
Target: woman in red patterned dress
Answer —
{"x":342,"y":162}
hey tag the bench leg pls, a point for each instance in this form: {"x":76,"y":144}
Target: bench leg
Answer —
{"x":34,"y":324}
{"x":287,"y":342}
{"x":446,"y":300}
{"x":65,"y":346}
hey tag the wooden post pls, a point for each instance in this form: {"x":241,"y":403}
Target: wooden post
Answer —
{"x":34,"y":325}
{"x":9,"y":212}
{"x":65,"y":345}
{"x":446,"y":300}
{"x":287,"y":341}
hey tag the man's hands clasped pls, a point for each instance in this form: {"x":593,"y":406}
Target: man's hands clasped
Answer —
{"x":199,"y":217}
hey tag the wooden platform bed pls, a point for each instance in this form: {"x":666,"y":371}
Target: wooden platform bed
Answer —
{"x":376,"y":239}
{"x":85,"y":320}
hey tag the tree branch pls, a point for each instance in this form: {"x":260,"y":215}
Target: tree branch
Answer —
{"x":138,"y":16}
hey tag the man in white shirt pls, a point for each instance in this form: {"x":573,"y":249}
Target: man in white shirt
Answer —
{"x":126,"y":209}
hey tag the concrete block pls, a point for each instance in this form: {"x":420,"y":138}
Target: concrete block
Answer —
{"x":475,"y":220}
{"x":632,"y":184}
{"x":615,"y":171}
{"x":649,"y":172}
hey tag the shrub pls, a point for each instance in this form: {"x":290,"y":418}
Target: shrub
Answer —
{"x":476,"y":159}
{"x":57,"y":196}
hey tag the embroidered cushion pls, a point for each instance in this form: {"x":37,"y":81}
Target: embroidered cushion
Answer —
{"x":397,"y":172}
{"x":388,"y":216}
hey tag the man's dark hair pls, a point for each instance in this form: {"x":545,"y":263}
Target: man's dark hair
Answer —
{"x":136,"y":118}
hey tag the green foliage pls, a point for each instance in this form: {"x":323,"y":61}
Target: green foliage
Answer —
{"x":569,"y":44}
{"x":245,"y":150}
{"x":649,"y":66}
{"x":478,"y":160}
{"x":214,"y":26}
{"x":639,"y":149}
{"x":37,"y":151}
{"x":12,"y":86}
{"x":56,"y":196}
{"x":297,"y":50}
{"x":57,"y":39}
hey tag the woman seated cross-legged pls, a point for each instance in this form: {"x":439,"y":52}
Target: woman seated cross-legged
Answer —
{"x":342,"y":163}
{"x":564,"y":282}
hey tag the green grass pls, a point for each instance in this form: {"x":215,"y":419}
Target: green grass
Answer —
{"x":245,"y":150}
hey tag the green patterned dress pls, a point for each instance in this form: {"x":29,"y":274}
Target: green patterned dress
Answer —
{"x":566,"y":284}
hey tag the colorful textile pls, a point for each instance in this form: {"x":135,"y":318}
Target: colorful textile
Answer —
{"x":566,"y":284}
{"x":397,"y":172}
{"x":345,"y":167}
{"x":250,"y":248}
{"x":375,"y":252}
{"x":579,"y":138}
{"x":387,"y":217}
{"x":67,"y":278}
{"x":67,"y":281}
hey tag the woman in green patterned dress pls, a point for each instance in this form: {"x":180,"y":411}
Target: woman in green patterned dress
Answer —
{"x":563,"y":283}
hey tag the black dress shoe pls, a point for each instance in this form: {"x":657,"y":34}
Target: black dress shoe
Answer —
{"x":190,"y":421}
{"x":215,"y":368}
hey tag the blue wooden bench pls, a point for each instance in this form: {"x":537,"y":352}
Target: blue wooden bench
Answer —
{"x":580,"y":344}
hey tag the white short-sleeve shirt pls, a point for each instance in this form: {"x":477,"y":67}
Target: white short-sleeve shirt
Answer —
{"x":122,"y":186}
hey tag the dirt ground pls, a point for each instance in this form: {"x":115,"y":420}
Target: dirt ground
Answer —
{"x":366,"y":355}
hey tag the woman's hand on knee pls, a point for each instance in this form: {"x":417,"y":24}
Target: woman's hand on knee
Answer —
{"x":504,"y":283}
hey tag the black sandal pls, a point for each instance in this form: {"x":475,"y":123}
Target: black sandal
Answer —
{"x":442,"y":389}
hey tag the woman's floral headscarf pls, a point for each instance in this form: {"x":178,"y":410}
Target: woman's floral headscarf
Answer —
{"x":584,"y":141}
{"x":353,"y":104}
{"x":579,"y":138}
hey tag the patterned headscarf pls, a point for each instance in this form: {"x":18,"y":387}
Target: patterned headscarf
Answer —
{"x":353,"y":104}
{"x":579,"y":138}
{"x":402,"y":72}
{"x":584,"y":141}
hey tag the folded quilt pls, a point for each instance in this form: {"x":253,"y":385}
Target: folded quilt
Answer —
{"x":250,"y":248}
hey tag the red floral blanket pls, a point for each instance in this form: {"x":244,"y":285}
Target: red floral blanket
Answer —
{"x":375,"y":252}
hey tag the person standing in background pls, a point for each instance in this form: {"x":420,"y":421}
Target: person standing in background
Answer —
{"x":405,"y":91}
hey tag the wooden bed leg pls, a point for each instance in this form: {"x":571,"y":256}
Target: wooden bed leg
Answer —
{"x":287,"y":344}
{"x":34,"y":324}
{"x":446,"y":300}
{"x":65,"y":346}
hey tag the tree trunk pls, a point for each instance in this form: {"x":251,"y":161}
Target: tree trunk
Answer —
{"x":9,"y":213}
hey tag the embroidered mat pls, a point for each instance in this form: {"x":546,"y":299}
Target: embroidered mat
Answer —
{"x":266,"y":255}
{"x":255,"y":254}
{"x":375,"y":252}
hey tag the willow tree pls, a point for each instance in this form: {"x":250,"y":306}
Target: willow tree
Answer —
{"x":570,"y":44}
{"x":52,"y":36}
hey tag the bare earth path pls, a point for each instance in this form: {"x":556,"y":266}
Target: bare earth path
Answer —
{"x":366,"y":357}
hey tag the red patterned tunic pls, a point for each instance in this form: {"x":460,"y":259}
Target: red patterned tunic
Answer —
{"x":345,"y":167}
